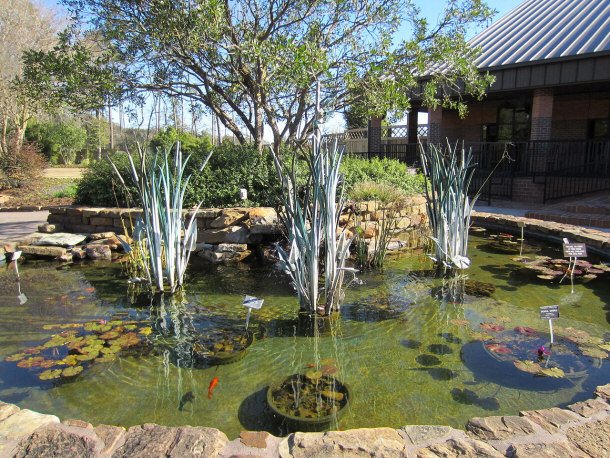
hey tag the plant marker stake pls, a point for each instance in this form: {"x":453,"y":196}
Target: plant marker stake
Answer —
{"x":550,"y":312}
{"x":572,"y":273}
{"x":16,"y":255}
{"x":521,"y":224}
{"x":252,"y":303}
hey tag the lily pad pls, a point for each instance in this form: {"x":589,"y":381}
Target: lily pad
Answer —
{"x":527,"y":366}
{"x":30,"y":362}
{"x":50,"y":374}
{"x":72,"y":371}
{"x":603,"y":347}
{"x":48,"y":363}
{"x":69,"y":360}
{"x":494,"y":327}
{"x":107,"y":358}
{"x":88,"y":356}
{"x":525,"y":330}
{"x":313,"y":375}
{"x":328,"y":370}
{"x":333,"y":395}
{"x":15,"y":357}
{"x":145,"y":331}
{"x":111,"y":349}
{"x":498,"y":348}
{"x":478,"y":335}
{"x":459,"y":322}
{"x":594,"y":352}
{"x":328,"y":362}
{"x":109,"y":335}
{"x":554,"y":372}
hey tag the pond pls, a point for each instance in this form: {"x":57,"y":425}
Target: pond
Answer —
{"x":415,"y":347}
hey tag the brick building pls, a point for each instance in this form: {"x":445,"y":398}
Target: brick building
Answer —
{"x":549,"y":105}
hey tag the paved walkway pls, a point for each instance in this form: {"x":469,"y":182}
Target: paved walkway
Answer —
{"x":64,"y":172}
{"x":15,"y":225}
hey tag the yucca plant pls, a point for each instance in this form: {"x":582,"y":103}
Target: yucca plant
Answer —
{"x":448,"y":175}
{"x":311,"y":221}
{"x":168,"y":240}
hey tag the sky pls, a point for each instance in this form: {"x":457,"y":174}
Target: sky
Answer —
{"x":431,"y":9}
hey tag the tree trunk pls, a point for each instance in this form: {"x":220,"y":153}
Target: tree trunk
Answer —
{"x":111,"y":128}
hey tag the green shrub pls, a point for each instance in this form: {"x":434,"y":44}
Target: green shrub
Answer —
{"x":380,"y":192}
{"x":230,"y":168}
{"x":100,"y":186}
{"x":390,"y":171}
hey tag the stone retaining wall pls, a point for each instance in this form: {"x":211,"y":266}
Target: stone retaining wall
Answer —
{"x":580,"y":430}
{"x":597,"y":241}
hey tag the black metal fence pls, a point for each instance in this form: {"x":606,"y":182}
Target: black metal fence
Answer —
{"x":565,"y":168}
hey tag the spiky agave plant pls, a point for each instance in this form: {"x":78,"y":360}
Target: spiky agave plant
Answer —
{"x":169,"y":241}
{"x":311,"y":221}
{"x":448,"y":175}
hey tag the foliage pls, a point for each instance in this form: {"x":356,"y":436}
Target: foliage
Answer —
{"x":255,"y":63}
{"x":23,"y":25}
{"x":390,"y":171}
{"x":383,"y":192}
{"x":311,"y":219}
{"x":166,"y":139}
{"x":232,"y":167}
{"x":448,"y":204}
{"x":22,"y":167}
{"x":169,"y":241}
{"x":100,"y":186}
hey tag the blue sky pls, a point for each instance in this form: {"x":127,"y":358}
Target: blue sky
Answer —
{"x":429,"y":8}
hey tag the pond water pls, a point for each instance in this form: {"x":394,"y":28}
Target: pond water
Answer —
{"x":414,"y":347}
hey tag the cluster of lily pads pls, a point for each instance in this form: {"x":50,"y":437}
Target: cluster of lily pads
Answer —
{"x":223,"y":346}
{"x":77,"y":345}
{"x":546,"y":268}
{"x":507,"y":243}
{"x":315,"y":394}
{"x":572,"y":344}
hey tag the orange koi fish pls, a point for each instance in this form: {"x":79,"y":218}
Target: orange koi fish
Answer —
{"x":213,"y":383}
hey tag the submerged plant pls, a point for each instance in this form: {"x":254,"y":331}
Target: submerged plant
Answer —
{"x":311,"y":221}
{"x":168,"y":240}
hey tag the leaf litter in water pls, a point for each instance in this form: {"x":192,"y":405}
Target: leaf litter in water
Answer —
{"x":328,"y":370}
{"x":527,"y":366}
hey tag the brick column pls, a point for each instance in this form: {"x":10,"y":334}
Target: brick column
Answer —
{"x":374,"y":135}
{"x":412,"y":125}
{"x":435,"y":128}
{"x":542,"y":114}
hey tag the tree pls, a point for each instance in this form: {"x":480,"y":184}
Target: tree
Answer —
{"x":254,"y":63}
{"x":23,"y":26}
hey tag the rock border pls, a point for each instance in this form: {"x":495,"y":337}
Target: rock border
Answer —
{"x":581,"y":430}
{"x":597,"y":241}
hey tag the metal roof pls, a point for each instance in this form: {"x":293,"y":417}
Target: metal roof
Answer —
{"x":545,"y":29}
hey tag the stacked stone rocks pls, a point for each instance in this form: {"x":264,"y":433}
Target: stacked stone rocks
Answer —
{"x":581,"y":430}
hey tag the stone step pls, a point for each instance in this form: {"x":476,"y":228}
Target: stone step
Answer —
{"x":577,"y":219}
{"x":598,"y":209}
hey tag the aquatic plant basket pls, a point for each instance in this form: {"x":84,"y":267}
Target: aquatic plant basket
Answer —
{"x":232,"y":357}
{"x":294,"y":423}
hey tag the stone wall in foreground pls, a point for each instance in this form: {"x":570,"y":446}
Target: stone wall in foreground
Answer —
{"x":580,"y":430}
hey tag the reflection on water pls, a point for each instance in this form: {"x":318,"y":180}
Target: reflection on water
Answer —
{"x":406,"y":343}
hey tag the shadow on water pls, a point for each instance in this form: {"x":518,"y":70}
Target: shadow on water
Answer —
{"x":253,"y":415}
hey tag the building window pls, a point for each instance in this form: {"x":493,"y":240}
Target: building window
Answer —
{"x":513,"y":124}
{"x":599,"y":128}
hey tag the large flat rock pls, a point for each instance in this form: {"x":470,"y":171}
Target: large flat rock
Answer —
{"x":498,"y":428}
{"x":43,"y":251}
{"x":382,"y":442}
{"x":61,"y":239}
{"x":59,"y":441}
{"x":592,"y":438}
{"x":563,"y":449}
{"x":551,"y":419}
{"x":459,"y":448}
{"x":24,"y":422}
{"x":153,"y":440}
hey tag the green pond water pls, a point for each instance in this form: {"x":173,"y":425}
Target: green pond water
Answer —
{"x":401,"y":344}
